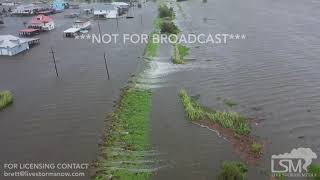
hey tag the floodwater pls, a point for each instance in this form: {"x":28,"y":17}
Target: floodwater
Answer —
{"x":61,"y":120}
{"x":273,"y":75}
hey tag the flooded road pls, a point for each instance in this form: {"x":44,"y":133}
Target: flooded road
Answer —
{"x":61,"y":120}
{"x":273,"y":76}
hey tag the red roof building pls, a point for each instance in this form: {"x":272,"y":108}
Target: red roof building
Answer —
{"x":42,"y":22}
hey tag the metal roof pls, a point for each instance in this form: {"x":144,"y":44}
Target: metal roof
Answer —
{"x":9,"y":41}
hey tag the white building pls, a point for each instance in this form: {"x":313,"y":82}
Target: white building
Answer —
{"x":100,"y":13}
{"x":108,"y":11}
{"x":29,"y":9}
{"x":12,"y":45}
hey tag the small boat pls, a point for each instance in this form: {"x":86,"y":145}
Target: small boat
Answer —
{"x":82,"y":24}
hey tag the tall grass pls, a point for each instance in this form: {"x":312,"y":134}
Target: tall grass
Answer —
{"x":179,"y":53}
{"x":193,"y":110}
{"x":231,"y":120}
{"x":5,"y":99}
{"x":232,"y":170}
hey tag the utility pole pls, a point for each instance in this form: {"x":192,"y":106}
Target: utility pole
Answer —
{"x":141,"y":19}
{"x":99,"y":28}
{"x":105,"y":62}
{"x":104,"y":55}
{"x":54,"y":61}
{"x":117,"y":23}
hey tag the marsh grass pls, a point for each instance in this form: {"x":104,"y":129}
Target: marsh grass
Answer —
{"x":128,"y":133}
{"x":232,"y":170}
{"x":314,"y":169}
{"x":231,"y":120}
{"x":5,"y":99}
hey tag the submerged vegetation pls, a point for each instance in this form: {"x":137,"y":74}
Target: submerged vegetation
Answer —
{"x":232,"y":170}
{"x":179,"y":53}
{"x":126,"y":139}
{"x":231,"y":120}
{"x":5,"y":99}
{"x":230,"y":103}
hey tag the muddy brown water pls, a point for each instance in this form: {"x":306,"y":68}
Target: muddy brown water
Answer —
{"x":61,"y":120}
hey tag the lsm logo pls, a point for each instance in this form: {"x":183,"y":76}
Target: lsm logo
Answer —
{"x":293,"y":164}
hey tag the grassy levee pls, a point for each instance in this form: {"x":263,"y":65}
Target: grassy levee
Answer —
{"x":6,"y":99}
{"x":126,"y":139}
{"x":231,"y":120}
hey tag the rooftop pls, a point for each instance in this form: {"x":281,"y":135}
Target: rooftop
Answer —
{"x":9,"y":41}
{"x":41,"y":19}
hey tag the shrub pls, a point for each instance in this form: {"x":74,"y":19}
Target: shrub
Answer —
{"x":169,"y":28}
{"x":232,"y":170}
{"x":5,"y":99}
{"x":165,"y":12}
{"x":255,"y":148}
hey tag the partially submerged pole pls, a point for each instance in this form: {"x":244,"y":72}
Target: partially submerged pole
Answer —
{"x":141,"y":19}
{"x":106,"y":64}
{"x":104,"y":55}
{"x":117,"y":22}
{"x":99,"y":28}
{"x":54,"y":61}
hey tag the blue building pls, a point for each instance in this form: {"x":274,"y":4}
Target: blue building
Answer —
{"x":58,"y":5}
